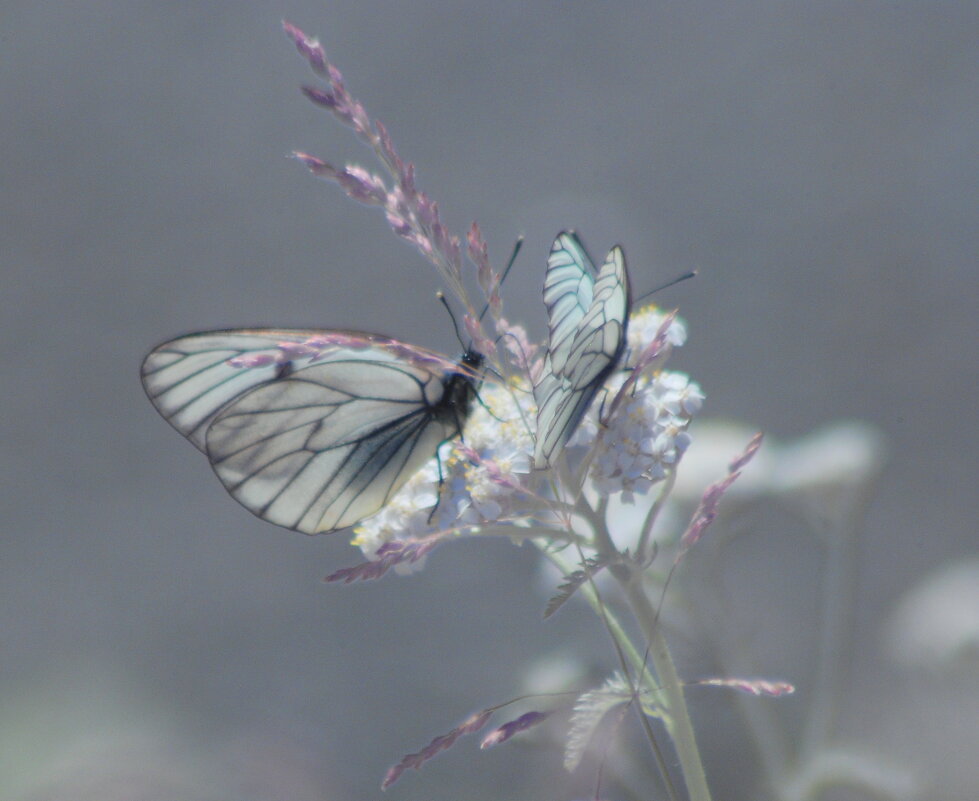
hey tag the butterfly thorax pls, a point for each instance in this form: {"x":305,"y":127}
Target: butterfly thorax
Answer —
{"x":460,"y":391}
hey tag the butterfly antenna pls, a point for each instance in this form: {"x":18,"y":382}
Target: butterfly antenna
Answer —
{"x":667,"y":285}
{"x":506,"y":271}
{"x":455,"y":323}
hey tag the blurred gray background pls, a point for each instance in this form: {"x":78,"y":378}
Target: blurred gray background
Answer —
{"x":815,"y":161}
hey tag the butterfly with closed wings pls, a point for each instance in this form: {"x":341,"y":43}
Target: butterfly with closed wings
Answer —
{"x":587,"y":319}
{"x":312,"y":431}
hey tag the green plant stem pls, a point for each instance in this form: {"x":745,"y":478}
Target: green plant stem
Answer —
{"x":670,"y":687}
{"x":643,"y":550}
{"x":626,"y":648}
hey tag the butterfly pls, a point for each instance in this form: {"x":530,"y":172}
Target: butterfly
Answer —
{"x":587,"y":318}
{"x":312,"y":431}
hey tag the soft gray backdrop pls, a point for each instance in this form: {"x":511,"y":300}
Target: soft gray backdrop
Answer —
{"x":815,"y":161}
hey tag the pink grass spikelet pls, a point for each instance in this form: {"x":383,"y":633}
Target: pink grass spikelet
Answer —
{"x":660,"y":343}
{"x":519,"y":346}
{"x":440,"y":236}
{"x":297,"y":350}
{"x":319,"y":168}
{"x":499,"y":476}
{"x":774,"y":689}
{"x":362,"y":185}
{"x":475,"y":331}
{"x":388,"y":153}
{"x":308,"y":48}
{"x":441,"y":743}
{"x":509,"y":729}
{"x":398,"y":222}
{"x":359,"y":119}
{"x":424,"y":245}
{"x":496,"y":303}
{"x":748,"y":455}
{"x":253,"y":360}
{"x":705,"y":514}
{"x":321,"y":97}
{"x":426,"y":210}
{"x":336,"y":81}
{"x":707,"y":510}
{"x":479,"y":255}
{"x":407,"y":182}
{"x":395,"y":552}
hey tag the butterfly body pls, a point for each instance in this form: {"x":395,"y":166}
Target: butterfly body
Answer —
{"x":313,"y":431}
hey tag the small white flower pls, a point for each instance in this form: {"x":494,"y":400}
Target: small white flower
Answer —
{"x":494,"y":458}
{"x":405,"y":515}
{"x":647,"y":436}
{"x":644,"y":324}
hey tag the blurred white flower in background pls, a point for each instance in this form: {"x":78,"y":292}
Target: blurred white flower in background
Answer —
{"x":839,"y":455}
{"x":936,"y":622}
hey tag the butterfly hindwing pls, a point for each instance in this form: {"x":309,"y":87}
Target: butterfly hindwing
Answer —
{"x":329,"y":444}
{"x":568,"y":291}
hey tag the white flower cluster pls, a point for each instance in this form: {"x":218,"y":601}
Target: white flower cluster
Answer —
{"x":407,"y":514}
{"x":647,"y":435}
{"x":488,"y":476}
{"x":481,"y":476}
{"x":498,"y":436}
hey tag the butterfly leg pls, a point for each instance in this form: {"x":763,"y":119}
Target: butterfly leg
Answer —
{"x":438,"y":494}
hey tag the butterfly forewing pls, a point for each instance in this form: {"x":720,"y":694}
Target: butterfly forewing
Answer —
{"x":310,"y":442}
{"x":581,"y":356}
{"x":599,"y":339}
{"x":190,"y":379}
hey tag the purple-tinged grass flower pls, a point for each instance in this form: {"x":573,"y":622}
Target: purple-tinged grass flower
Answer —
{"x":441,"y":743}
{"x":308,"y":47}
{"x":360,"y":184}
{"x":503,"y":733}
{"x":479,"y":255}
{"x":524,"y":354}
{"x":773,"y":689}
{"x":411,"y":214}
{"x":397,"y":554}
{"x":707,"y":510}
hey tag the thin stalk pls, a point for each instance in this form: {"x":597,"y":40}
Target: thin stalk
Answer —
{"x":670,"y":687}
{"x":642,"y":550}
{"x":625,"y":648}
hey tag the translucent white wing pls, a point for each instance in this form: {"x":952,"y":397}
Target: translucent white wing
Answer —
{"x":579,"y":358}
{"x":190,"y":379}
{"x":310,"y":441}
{"x":568,"y":290}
